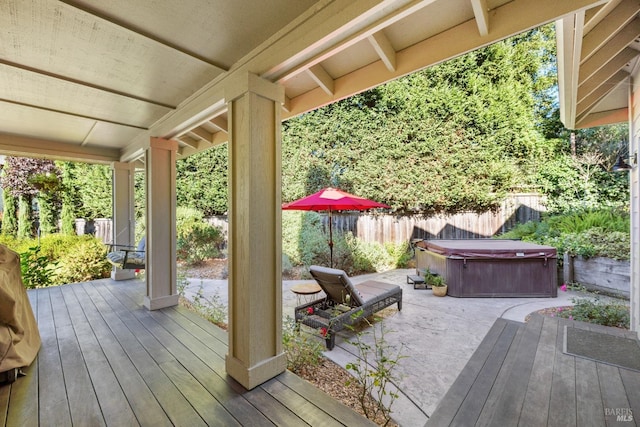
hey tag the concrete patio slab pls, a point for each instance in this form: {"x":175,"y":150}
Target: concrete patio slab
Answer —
{"x":437,"y":336}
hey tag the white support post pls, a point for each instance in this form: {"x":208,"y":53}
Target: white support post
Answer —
{"x":161,"y":264}
{"x":123,"y":229}
{"x":255,"y":231}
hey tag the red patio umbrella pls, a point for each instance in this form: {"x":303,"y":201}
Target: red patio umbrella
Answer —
{"x":332,"y":199}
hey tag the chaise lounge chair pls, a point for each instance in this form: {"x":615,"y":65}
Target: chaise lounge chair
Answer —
{"x":345,"y":303}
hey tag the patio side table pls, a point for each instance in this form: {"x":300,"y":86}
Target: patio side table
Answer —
{"x":305,"y":292}
{"x":417,"y":282}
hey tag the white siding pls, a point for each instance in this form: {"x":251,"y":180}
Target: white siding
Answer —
{"x":634,"y":143}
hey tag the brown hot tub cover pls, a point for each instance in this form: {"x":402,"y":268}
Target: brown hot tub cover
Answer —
{"x":492,"y":267}
{"x":19,"y":336}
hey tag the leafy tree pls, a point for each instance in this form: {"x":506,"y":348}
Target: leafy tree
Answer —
{"x":27,"y":178}
{"x":25,"y":216}
{"x":47,"y":213}
{"x":579,"y":177}
{"x":202,"y":181}
{"x":454,"y":137}
{"x":70,"y":198}
{"x":9,"y":219}
{"x":94,"y":185}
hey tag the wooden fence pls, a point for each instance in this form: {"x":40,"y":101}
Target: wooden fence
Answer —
{"x":518,"y":208}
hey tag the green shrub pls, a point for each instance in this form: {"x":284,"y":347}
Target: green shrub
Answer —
{"x":9,"y":241}
{"x":301,"y":349}
{"x":196,"y":240}
{"x":36,"y":269}
{"x":84,"y":261}
{"x":211,"y":308}
{"x":599,"y":312}
{"x":602,"y":232}
{"x":366,"y":257}
{"x":54,"y":246}
{"x":305,"y":243}
{"x":303,"y":239}
{"x":578,"y":222}
{"x":610,"y":244}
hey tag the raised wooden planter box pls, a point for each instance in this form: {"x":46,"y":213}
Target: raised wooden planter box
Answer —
{"x":606,"y":275}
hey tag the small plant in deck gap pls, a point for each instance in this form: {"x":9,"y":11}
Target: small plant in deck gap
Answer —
{"x":36,"y":269}
{"x":374,"y":370}
{"x":212,"y":308}
{"x":301,"y":349}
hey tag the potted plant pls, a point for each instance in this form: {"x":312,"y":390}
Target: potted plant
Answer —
{"x":438,"y":286}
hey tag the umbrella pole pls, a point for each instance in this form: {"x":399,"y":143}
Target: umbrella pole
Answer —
{"x":330,"y":241}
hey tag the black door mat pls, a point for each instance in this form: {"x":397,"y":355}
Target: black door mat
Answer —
{"x":603,"y":348}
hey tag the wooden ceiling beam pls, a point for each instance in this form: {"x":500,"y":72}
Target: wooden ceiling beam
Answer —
{"x":188,"y":140}
{"x":591,"y":101}
{"x":56,"y":150}
{"x":220,"y":122}
{"x":83,"y":83}
{"x":201,"y":134}
{"x":443,"y":46}
{"x":383,"y":48}
{"x":322,"y":78}
{"x":604,"y":73}
{"x":595,"y":15}
{"x":68,"y":113}
{"x":142,"y":33}
{"x":608,"y":26}
{"x":609,"y":50}
{"x":220,"y":138}
{"x":602,"y":118}
{"x":481,"y":12}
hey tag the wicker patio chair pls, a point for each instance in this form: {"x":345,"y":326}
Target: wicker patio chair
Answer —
{"x":345,"y":303}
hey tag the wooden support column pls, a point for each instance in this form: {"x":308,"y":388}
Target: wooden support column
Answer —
{"x":255,"y":231}
{"x":123,"y":229}
{"x":161,"y":264}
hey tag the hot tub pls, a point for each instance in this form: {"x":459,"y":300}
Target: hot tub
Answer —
{"x":491,"y":268}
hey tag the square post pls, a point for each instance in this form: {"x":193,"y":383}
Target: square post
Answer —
{"x":123,"y":214}
{"x":255,"y":231}
{"x":160,"y":252}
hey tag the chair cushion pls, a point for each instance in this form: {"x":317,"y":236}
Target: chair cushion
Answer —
{"x":337,"y":285}
{"x":116,"y":258}
{"x":135,"y":258}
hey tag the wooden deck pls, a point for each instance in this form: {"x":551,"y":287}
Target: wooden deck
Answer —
{"x":106,"y":360}
{"x":519,"y":376}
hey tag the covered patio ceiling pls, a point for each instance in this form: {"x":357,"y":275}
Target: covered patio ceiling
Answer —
{"x":598,"y":51}
{"x":93,"y":81}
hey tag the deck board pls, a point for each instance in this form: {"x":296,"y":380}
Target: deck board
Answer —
{"x":471,"y":409}
{"x":535,"y":410}
{"x":454,"y":397}
{"x":534,"y":383}
{"x":51,"y":380}
{"x":589,"y":409}
{"x":113,"y":402}
{"x":511,"y":387}
{"x":312,"y":414}
{"x":141,"y":399}
{"x":612,"y":390}
{"x":83,"y":402}
{"x":106,"y":360}
{"x":165,"y":392}
{"x":563,"y":386}
{"x":631,"y":382}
